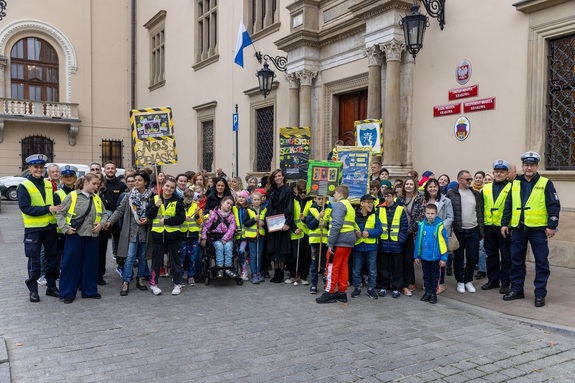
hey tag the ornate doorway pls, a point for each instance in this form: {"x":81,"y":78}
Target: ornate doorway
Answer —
{"x":352,"y":107}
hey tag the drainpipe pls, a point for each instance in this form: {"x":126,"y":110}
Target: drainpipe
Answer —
{"x":133,"y":70}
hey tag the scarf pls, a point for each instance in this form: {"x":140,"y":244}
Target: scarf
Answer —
{"x":138,"y":202}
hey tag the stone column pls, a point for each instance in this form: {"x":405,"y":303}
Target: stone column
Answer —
{"x":375,"y":59}
{"x":3,"y":85}
{"x":305,"y":79}
{"x":293,"y":82}
{"x":392,"y":122}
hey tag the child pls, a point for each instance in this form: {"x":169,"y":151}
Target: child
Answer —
{"x":240,"y":213}
{"x":317,"y":221}
{"x":190,"y":235}
{"x":374,"y":191}
{"x":300,"y":249}
{"x":266,"y":262}
{"x":389,"y":258}
{"x":221,"y":227}
{"x":431,"y":248}
{"x":255,"y":232}
{"x":201,"y":196}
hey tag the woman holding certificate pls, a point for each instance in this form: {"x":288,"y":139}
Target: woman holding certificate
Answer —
{"x":280,"y":208}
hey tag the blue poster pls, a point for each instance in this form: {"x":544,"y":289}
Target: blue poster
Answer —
{"x":355,"y":172}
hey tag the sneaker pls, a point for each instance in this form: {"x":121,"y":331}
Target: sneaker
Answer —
{"x":395,"y":294}
{"x":382,"y":293}
{"x":220,"y":274}
{"x":356,"y":293}
{"x":304,"y":282}
{"x":406,"y":291}
{"x":469,"y":287}
{"x":245,"y":275}
{"x":231,"y":273}
{"x":372,"y":294}
{"x":177,"y":290}
{"x":289,"y":280}
{"x":460,"y":287}
{"x":125,"y":289}
{"x":120,"y":271}
{"x":341,"y":297}
{"x":42,"y":281}
{"x":256,"y":280}
{"x":313,"y":290}
{"x":191,"y":281}
{"x":155,"y":289}
{"x":326,"y":298}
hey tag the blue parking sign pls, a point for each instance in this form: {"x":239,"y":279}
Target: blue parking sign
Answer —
{"x":235,"y":123}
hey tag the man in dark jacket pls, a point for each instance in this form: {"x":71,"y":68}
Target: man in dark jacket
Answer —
{"x":468,"y":228}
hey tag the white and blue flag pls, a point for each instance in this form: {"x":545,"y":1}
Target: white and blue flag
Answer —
{"x":243,"y":41}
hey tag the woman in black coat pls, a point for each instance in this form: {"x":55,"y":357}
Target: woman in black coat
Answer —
{"x":280,"y":197}
{"x":220,"y":190}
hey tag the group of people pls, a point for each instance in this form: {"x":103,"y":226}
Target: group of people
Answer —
{"x":274,"y":224}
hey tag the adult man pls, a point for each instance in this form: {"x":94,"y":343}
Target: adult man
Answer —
{"x":53,"y":172}
{"x":512,"y":173}
{"x":95,"y":168}
{"x":375,"y":170}
{"x":38,"y":203}
{"x":496,"y":245}
{"x":340,"y":243}
{"x":468,"y":228}
{"x":532,"y":212}
{"x":113,"y":189}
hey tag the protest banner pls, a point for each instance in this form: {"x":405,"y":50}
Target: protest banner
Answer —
{"x":295,"y":145}
{"x":323,"y":177}
{"x":153,"y":136}
{"x":356,"y":164}
{"x":369,"y":133}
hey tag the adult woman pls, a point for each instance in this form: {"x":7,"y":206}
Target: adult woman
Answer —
{"x":181,"y":185}
{"x":280,"y":197}
{"x":478,"y":180}
{"x":81,"y":219}
{"x":167,"y":214}
{"x":433,"y":195}
{"x":413,"y":205}
{"x":443,"y":182}
{"x":488,"y":178}
{"x":236,"y":186}
{"x":132,"y":243}
{"x":221,"y":190}
{"x":198,"y":180}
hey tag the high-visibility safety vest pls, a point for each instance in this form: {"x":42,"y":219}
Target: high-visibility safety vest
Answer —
{"x":369,"y":224}
{"x":319,"y":235}
{"x":166,"y":212}
{"x":252,"y":231}
{"x":440,"y":239}
{"x":62,"y":194}
{"x":493,"y":211}
{"x":240,"y":230}
{"x":535,"y":210}
{"x":31,"y":221}
{"x":72,"y":209}
{"x":297,"y":211}
{"x":193,"y":225}
{"x":349,"y":219}
{"x":390,"y":231}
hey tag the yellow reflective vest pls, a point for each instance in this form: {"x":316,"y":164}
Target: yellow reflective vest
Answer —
{"x":493,"y":210}
{"x":252,"y":231}
{"x":72,"y":209}
{"x":349,"y":219}
{"x":535,"y":210}
{"x":195,"y":225}
{"x":297,"y":211}
{"x":320,"y":234}
{"x":164,"y":211}
{"x":31,"y":221}
{"x":369,"y":224}
{"x":390,"y":231}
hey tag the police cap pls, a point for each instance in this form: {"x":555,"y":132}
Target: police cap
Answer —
{"x":36,"y":159}
{"x":501,"y":165}
{"x":530,"y":158}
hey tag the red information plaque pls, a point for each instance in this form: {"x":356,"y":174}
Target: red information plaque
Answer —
{"x":446,"y":110}
{"x":468,"y":91}
{"x":479,"y":105}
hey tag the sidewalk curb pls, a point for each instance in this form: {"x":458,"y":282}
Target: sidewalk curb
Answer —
{"x":4,"y":363}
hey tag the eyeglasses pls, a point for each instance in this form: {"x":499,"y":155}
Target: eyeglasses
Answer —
{"x":467,"y":179}
{"x":94,"y":169}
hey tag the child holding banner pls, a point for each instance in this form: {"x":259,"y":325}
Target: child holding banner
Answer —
{"x":317,"y":221}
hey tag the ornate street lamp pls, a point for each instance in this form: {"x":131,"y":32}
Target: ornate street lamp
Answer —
{"x":2,"y":9}
{"x":266,"y":75}
{"x":414,"y":23}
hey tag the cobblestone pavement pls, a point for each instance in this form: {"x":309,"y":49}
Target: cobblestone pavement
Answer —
{"x":257,"y":333}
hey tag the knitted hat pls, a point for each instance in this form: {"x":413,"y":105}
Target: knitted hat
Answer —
{"x":244,"y":193}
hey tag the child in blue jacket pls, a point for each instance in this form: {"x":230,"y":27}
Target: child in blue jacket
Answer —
{"x":430,"y":251}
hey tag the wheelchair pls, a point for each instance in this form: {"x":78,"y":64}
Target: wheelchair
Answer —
{"x":212,"y":271}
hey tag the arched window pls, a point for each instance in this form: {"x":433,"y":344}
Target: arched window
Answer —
{"x":37,"y":144}
{"x":34,"y":70}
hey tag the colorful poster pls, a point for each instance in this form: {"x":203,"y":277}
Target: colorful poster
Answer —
{"x":323,"y":177}
{"x":153,"y":136}
{"x":356,"y":162}
{"x":295,"y":146}
{"x":369,"y":133}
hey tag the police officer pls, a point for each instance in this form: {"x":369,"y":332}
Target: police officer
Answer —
{"x":496,"y":246}
{"x":68,"y":176}
{"x":38,"y":203}
{"x":532,"y":213}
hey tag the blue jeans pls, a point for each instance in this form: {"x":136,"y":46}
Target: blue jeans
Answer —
{"x":369,"y":258}
{"x":136,"y":249}
{"x":482,"y":261}
{"x":465,"y":258}
{"x":223,"y":253}
{"x":540,"y":248}
{"x":255,"y":247}
{"x":189,"y":251}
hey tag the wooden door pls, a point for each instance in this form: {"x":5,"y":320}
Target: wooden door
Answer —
{"x":352,"y":107}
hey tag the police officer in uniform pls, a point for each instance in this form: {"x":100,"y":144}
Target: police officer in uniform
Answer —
{"x":532,"y":212}
{"x":497,"y":247}
{"x":38,"y":204}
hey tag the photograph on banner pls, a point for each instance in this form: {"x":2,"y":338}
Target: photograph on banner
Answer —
{"x":356,"y":166}
{"x":295,"y":146}
{"x":323,"y":177}
{"x":153,"y":136}
{"x":369,"y":133}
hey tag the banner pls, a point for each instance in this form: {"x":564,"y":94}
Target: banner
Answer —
{"x":355,"y":171}
{"x":153,"y":136}
{"x":295,"y":145}
{"x":323,"y":177}
{"x":369,"y":133}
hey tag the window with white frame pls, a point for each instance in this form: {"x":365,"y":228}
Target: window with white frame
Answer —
{"x":156,"y":29}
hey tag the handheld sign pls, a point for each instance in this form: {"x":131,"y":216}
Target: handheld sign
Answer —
{"x":153,"y":136}
{"x":295,"y":145}
{"x":355,"y":171}
{"x":323,"y":177}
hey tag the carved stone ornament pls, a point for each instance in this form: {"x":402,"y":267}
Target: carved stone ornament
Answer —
{"x":392,"y":50}
{"x":306,"y":76}
{"x":72,"y":133}
{"x":293,"y":80}
{"x":374,"y":55}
